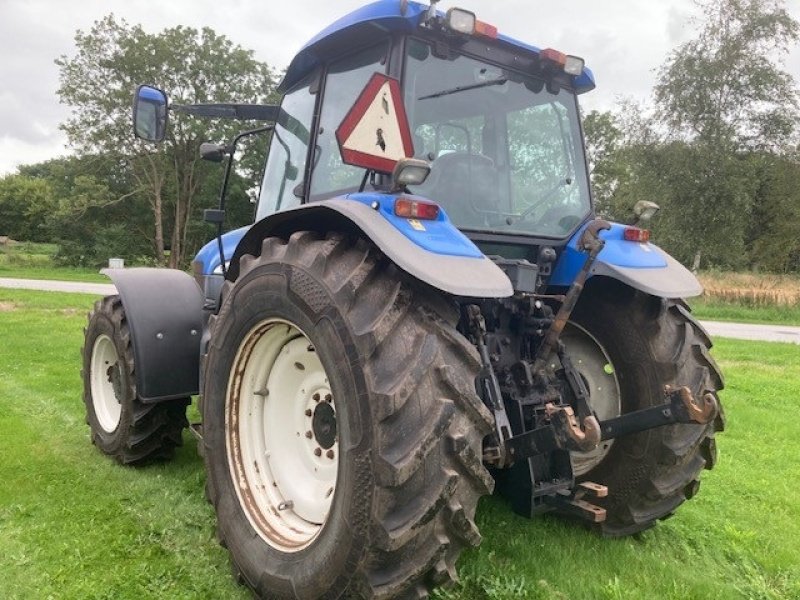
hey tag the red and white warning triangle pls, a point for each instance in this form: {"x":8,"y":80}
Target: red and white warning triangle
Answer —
{"x":375,"y":134}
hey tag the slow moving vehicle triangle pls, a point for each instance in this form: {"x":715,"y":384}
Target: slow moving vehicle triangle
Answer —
{"x":375,"y":134}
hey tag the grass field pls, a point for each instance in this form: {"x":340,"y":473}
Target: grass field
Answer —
{"x":749,"y":298}
{"x":35,"y":261}
{"x":74,"y":525}
{"x":711,"y":310}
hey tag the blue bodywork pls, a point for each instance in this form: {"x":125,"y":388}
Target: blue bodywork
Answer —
{"x":439,"y":236}
{"x":617,"y":251}
{"x":209,"y":254}
{"x":388,"y":15}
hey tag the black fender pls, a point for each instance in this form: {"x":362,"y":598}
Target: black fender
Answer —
{"x":164,"y":310}
{"x":460,"y":276}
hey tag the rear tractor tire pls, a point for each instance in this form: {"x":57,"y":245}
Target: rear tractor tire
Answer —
{"x":342,"y":436}
{"x":121,"y":425}
{"x":649,"y":343}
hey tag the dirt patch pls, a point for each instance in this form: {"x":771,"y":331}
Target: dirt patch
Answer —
{"x":7,"y":306}
{"x":70,"y":312}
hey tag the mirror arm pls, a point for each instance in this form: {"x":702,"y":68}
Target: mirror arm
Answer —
{"x":256,"y":112}
{"x":224,"y":190}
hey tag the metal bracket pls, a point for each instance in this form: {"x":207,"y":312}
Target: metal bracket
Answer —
{"x":573,"y":502}
{"x":490,"y":390}
{"x":680,"y":407}
{"x":564,"y":433}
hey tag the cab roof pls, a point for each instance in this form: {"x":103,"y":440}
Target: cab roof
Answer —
{"x":387,"y":16}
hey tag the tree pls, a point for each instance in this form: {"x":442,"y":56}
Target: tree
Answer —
{"x":775,"y":227}
{"x":724,"y":97}
{"x":603,"y":144}
{"x":194,"y":66}
{"x":24,"y":205}
{"x":90,"y":213}
{"x":724,"y":88}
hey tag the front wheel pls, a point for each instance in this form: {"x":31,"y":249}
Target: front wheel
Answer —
{"x":122,"y":426}
{"x":342,"y":431}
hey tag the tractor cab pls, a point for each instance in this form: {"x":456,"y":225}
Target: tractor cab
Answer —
{"x":496,"y":120}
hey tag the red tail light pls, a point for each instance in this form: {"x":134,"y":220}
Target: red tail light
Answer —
{"x":554,"y":56}
{"x":634,"y":234}
{"x":485,"y":30}
{"x":416,"y":209}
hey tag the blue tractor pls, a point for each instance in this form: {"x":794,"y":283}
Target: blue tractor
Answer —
{"x":426,"y":310}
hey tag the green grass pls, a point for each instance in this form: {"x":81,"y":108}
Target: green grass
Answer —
{"x":35,"y":261}
{"x":75,"y":525}
{"x":723,"y":311}
{"x":54,"y":273}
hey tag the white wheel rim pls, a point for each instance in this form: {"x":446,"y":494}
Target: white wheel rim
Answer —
{"x":594,"y":365}
{"x":281,"y":436}
{"x":106,"y":383}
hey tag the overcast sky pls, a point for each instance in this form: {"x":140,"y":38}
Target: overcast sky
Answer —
{"x":624,"y":41}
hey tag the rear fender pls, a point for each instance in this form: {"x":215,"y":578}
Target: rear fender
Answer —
{"x":644,"y":267}
{"x":164,"y":310}
{"x":434,"y":252}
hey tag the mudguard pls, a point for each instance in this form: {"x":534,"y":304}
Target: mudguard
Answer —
{"x":164,"y":309}
{"x":434,"y":252}
{"x":645,"y":267}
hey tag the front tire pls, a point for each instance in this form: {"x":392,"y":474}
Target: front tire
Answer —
{"x":408,"y":425}
{"x":122,"y":426}
{"x":651,"y":343}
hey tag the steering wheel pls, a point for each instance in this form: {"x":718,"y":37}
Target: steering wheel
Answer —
{"x":561,"y":183}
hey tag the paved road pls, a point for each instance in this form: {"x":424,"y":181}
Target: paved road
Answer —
{"x":101,"y":289}
{"x":745,"y":331}
{"x":742,"y":331}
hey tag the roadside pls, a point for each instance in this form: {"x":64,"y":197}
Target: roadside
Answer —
{"x":46,"y":285}
{"x":740,"y":331}
{"x":753,"y":331}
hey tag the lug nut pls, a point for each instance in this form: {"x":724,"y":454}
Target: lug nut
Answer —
{"x":318,"y":452}
{"x":330,"y":454}
{"x":308,"y":412}
{"x":316,"y":397}
{"x":309,"y":435}
{"x":328,"y":398}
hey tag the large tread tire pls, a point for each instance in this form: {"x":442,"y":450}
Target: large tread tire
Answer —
{"x":652,"y":343}
{"x":408,"y":487}
{"x":145,"y":432}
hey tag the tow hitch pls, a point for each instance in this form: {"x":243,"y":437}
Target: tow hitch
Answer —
{"x":680,"y":407}
{"x":563,"y":433}
{"x":560,"y":434}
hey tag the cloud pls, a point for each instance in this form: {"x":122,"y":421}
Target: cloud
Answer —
{"x":623,"y":41}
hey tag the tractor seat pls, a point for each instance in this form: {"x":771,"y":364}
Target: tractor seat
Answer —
{"x":464,"y":185}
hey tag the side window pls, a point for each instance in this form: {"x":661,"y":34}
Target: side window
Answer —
{"x":346,"y":80}
{"x":286,"y":163}
{"x":545,"y":164}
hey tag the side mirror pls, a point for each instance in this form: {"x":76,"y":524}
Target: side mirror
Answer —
{"x":214,"y":152}
{"x":150,"y":114}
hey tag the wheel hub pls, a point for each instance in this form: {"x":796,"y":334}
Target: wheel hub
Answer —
{"x":594,"y":366}
{"x":107,"y":386}
{"x":282,"y":437}
{"x":115,"y":379}
{"x":324,"y":425}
